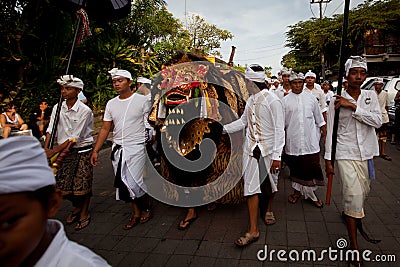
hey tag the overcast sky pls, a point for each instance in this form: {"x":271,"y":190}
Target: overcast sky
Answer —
{"x":258,"y":26}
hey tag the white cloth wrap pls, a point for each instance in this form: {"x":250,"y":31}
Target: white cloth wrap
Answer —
{"x":356,"y":186}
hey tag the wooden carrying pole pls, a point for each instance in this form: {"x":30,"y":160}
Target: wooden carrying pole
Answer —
{"x":338,"y":92}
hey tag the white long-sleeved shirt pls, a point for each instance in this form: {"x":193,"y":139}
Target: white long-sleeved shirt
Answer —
{"x":76,"y":122}
{"x":383,"y":99}
{"x":356,"y":137}
{"x":320,"y":95}
{"x":303,"y":120}
{"x":264,"y":118}
{"x":279,"y":92}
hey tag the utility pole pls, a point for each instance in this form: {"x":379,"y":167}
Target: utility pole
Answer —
{"x":320,"y":2}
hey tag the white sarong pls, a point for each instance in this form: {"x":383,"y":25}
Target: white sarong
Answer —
{"x":132,"y":166}
{"x":356,"y":186}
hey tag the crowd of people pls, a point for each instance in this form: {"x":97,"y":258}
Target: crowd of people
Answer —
{"x":286,"y":122}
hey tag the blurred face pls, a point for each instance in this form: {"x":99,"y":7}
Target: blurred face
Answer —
{"x":310,"y":81}
{"x":356,"y":77}
{"x":43,"y":105}
{"x":276,"y":83}
{"x":22,"y":226}
{"x":69,"y":93}
{"x":122,"y":85}
{"x":378,"y":86}
{"x":325,"y":87}
{"x":297,"y":86}
{"x":285,"y":78}
{"x":11,"y":110}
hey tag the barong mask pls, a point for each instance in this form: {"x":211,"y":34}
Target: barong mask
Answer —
{"x":186,"y":102}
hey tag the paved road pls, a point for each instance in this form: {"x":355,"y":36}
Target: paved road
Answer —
{"x":209,"y":241}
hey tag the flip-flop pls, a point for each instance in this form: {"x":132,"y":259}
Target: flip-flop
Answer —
{"x":385,"y":157}
{"x":246,"y":240}
{"x":72,"y":218}
{"x":82,"y":223}
{"x":188,"y":222}
{"x":269,"y":216}
{"x":133,"y":221}
{"x":146,"y":216}
{"x":320,"y":206}
{"x":293,"y":198}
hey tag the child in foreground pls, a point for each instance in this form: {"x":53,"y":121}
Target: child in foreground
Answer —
{"x":28,"y":201}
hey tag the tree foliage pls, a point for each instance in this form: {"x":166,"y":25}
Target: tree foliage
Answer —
{"x":308,"y":38}
{"x":36,"y":38}
{"x":205,"y":38}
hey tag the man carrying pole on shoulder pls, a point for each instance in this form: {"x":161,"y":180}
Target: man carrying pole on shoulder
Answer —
{"x":75,"y":175}
{"x":356,"y":146}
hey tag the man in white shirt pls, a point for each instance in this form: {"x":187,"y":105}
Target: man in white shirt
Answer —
{"x":276,"y":89}
{"x":384,"y":103}
{"x":263,"y":117}
{"x":326,"y":87}
{"x":315,"y":90}
{"x":303,"y":122}
{"x":356,"y":144}
{"x":75,"y":175}
{"x":285,"y":86}
{"x":28,"y":201}
{"x":127,"y":111}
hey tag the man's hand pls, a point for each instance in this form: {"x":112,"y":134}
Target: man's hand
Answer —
{"x":343,"y":102}
{"x":275,"y":166}
{"x":329,"y":168}
{"x":49,"y":152}
{"x":94,"y":159}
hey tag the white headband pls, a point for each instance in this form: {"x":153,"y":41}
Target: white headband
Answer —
{"x":286,"y":71}
{"x":296,"y":76}
{"x":310,"y":74}
{"x":70,"y":81}
{"x":116,"y":73}
{"x":24,"y":165}
{"x":143,"y":80}
{"x":355,"y":62}
{"x":378,"y":80}
{"x":255,"y":76}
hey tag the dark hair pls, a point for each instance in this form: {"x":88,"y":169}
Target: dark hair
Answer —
{"x":257,"y":68}
{"x":43,"y":195}
{"x":8,"y":106}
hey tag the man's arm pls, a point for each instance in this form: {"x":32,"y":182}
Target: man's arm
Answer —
{"x":101,"y":138}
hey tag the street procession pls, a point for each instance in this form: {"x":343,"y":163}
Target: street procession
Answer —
{"x":192,"y":133}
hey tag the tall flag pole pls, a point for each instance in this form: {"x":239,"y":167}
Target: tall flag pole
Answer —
{"x":83,"y":29}
{"x":342,"y":60}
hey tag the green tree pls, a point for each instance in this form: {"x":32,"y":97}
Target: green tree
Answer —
{"x":308,"y":38}
{"x":205,"y":38}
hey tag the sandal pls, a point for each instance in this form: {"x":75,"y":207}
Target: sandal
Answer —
{"x":146,"y":216}
{"x":246,"y":240}
{"x":72,"y":218}
{"x":82,"y":223}
{"x":269,"y":218}
{"x":318,"y":203}
{"x":187,"y":223}
{"x":293,"y":198}
{"x":133,"y":221}
{"x":385,"y":157}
